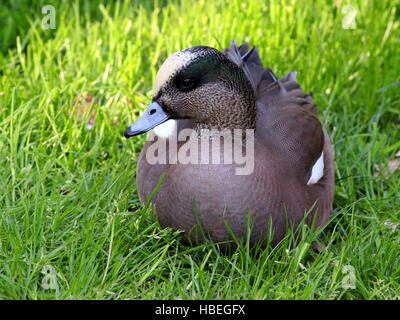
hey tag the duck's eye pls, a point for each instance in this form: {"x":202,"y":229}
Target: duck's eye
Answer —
{"x":185,"y":84}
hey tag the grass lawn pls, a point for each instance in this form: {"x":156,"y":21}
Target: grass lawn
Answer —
{"x":71,"y":225}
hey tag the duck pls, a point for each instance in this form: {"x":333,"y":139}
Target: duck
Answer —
{"x":206,"y":91}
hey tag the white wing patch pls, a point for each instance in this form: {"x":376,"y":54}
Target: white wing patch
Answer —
{"x":166,"y":129}
{"x":173,"y":63}
{"x":317,"y":170}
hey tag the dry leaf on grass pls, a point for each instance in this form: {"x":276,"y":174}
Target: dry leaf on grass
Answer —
{"x":389,"y":167}
{"x":80,"y":106}
{"x":391,"y":225}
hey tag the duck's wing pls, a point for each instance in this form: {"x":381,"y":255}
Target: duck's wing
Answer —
{"x":286,"y":115}
{"x":287,"y":121}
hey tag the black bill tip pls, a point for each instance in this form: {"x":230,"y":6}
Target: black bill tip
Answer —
{"x":151,"y":118}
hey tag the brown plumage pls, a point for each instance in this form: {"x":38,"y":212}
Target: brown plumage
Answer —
{"x":230,"y":90}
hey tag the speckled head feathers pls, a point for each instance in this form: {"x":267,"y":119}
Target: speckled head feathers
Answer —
{"x":203,"y":84}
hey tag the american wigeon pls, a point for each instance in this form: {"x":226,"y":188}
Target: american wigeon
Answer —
{"x":203,"y":88}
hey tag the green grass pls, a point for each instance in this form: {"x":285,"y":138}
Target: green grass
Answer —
{"x":67,"y":193}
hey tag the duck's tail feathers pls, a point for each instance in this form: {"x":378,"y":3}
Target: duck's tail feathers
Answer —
{"x":268,"y":87}
{"x":248,"y":60}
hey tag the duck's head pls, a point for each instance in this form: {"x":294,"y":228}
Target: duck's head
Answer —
{"x":201,"y":84}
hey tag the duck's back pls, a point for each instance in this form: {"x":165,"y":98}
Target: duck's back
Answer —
{"x":287,"y":123}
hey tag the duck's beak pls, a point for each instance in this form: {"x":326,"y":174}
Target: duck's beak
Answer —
{"x":152,"y":117}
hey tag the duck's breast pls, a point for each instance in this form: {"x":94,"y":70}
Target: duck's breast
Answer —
{"x":215,"y":195}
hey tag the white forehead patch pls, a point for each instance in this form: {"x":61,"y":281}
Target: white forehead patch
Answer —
{"x":173,"y":63}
